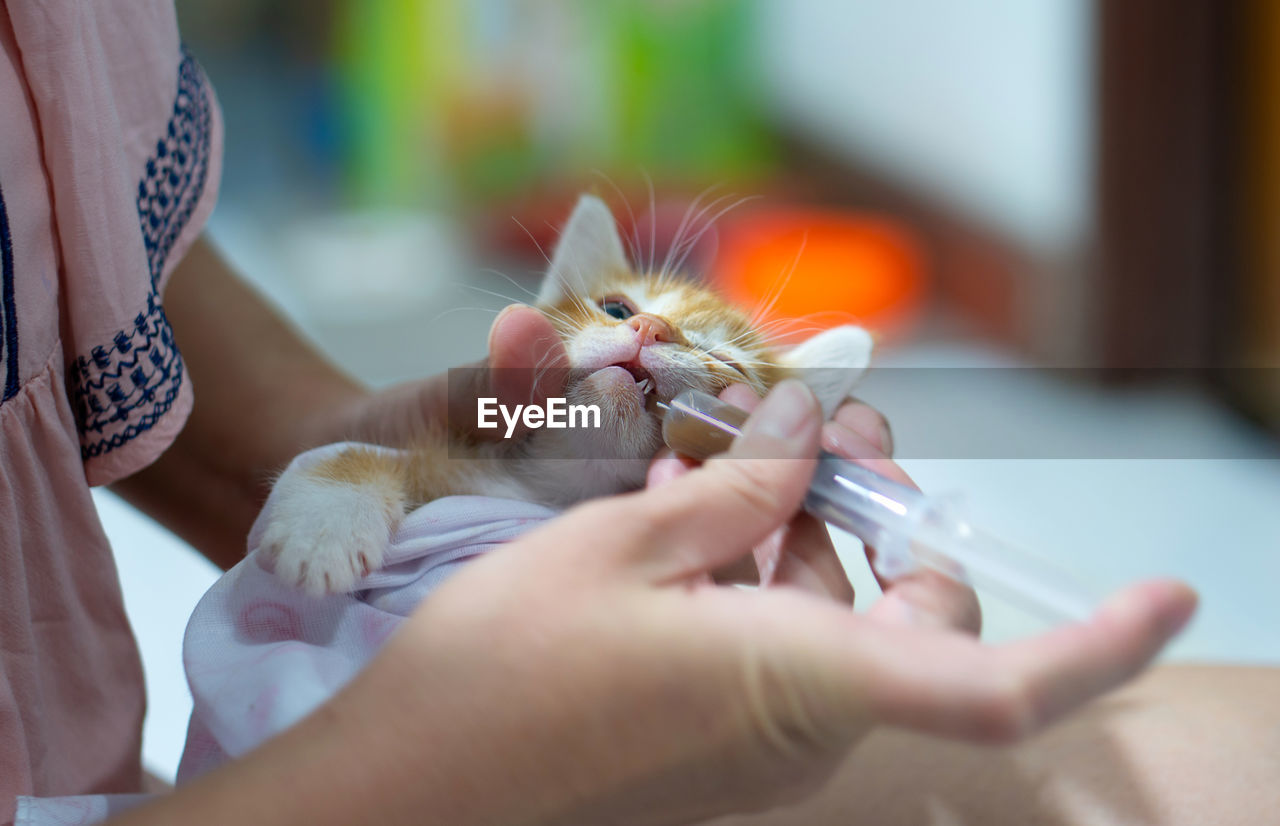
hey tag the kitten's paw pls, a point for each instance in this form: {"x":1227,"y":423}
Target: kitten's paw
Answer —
{"x":324,"y":536}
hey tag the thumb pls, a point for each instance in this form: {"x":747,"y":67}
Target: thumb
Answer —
{"x":526,"y":364}
{"x":526,"y":356}
{"x":715,"y":514}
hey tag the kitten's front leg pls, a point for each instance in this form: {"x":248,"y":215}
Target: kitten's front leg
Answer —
{"x":330,"y":523}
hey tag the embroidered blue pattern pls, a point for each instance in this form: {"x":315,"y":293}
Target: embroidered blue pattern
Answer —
{"x":176,"y":171}
{"x":125,"y":385}
{"x":8,"y":309}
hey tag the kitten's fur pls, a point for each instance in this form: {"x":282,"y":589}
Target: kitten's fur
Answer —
{"x":330,"y":523}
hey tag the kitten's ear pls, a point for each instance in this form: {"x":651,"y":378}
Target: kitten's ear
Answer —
{"x":588,"y":254}
{"x":830,"y":363}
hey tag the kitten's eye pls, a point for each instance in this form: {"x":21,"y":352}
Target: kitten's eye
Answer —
{"x":619,"y":308}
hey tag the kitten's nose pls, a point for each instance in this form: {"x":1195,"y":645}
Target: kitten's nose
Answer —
{"x":651,"y":328}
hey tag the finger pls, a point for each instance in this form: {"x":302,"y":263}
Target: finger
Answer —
{"x":668,"y":465}
{"x":526,"y":364}
{"x":708,"y":518}
{"x":927,"y":599}
{"x":742,"y":571}
{"x":740,"y":395}
{"x":798,"y":555}
{"x":923,"y":597}
{"x":527,"y":356}
{"x":807,"y":560}
{"x":953,"y":686}
{"x":844,"y":441}
{"x":868,"y":423}
{"x":835,"y":675}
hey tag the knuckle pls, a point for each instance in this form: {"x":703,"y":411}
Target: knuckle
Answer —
{"x":784,"y":716}
{"x":1006,"y":713}
{"x":867,"y":422}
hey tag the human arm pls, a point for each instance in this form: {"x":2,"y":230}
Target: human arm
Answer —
{"x":263,"y":395}
{"x":586,"y":673}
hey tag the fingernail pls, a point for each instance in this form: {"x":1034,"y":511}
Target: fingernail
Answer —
{"x":506,"y":311}
{"x":1187,"y":601}
{"x":886,"y":438}
{"x":868,"y":423}
{"x":497,"y":320}
{"x":785,"y":412}
{"x":847,"y":442}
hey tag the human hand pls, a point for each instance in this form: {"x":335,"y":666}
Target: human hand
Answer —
{"x":799,"y":554}
{"x":526,"y":363}
{"x":588,"y":672}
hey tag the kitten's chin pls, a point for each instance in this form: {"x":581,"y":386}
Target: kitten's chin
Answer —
{"x":635,"y":435}
{"x":614,"y":389}
{"x":627,"y":428}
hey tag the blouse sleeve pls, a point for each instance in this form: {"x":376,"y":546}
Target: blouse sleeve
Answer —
{"x":132,"y":143}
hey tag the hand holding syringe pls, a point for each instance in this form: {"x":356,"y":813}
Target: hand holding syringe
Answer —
{"x":907,"y":528}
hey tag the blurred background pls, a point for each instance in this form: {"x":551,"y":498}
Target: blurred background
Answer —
{"x":1059,"y":216}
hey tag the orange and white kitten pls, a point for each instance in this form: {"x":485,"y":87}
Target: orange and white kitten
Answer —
{"x":631,"y":338}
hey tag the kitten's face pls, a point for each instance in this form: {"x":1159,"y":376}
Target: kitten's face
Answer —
{"x":633,"y":339}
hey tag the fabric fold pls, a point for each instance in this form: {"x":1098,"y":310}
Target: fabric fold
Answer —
{"x":260,"y":654}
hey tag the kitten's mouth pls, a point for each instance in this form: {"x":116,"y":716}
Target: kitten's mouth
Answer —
{"x":643,"y":378}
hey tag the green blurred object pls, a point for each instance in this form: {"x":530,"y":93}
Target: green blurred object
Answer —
{"x":446,"y":100}
{"x":684,"y":102}
{"x":396,"y":59}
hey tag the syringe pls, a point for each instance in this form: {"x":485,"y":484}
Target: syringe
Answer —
{"x":906,"y":528}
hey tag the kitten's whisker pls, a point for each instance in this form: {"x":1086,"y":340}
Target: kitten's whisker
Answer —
{"x":534,"y":240}
{"x":513,"y":282}
{"x":453,"y":310}
{"x":653,"y":221}
{"x":675,"y":239}
{"x":698,"y":237}
{"x":633,"y":242}
{"x":781,"y":288}
{"x":493,"y":293}
{"x":687,"y":224}
{"x":579,"y":300}
{"x":549,"y":311}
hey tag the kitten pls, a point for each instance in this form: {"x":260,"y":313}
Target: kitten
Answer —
{"x":631,"y":339}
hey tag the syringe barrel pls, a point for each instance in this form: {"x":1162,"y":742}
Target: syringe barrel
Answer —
{"x":907,"y":529}
{"x":878,"y":511}
{"x":882,"y":513}
{"x":699,"y":425}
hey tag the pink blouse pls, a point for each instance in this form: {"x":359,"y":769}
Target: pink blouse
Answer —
{"x":109,"y":160}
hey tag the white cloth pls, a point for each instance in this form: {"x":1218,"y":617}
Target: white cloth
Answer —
{"x":260,"y":654}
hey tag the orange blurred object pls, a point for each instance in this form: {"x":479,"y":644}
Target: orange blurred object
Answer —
{"x":845,"y":268}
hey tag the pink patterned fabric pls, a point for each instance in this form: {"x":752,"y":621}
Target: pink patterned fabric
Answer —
{"x":109,"y":162}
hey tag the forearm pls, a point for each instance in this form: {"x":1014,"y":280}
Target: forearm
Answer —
{"x":262,"y":394}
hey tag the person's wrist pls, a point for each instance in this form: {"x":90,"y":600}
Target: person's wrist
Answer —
{"x":320,"y":414}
